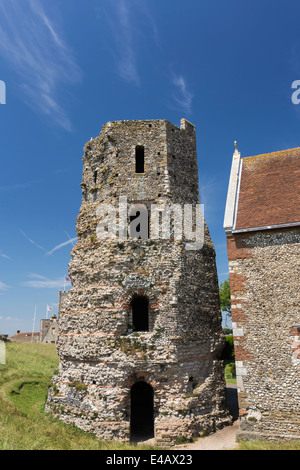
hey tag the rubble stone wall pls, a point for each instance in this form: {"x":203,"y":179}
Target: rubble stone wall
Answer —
{"x":264,"y":271}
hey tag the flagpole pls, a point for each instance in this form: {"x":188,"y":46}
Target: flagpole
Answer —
{"x":47,"y":312}
{"x":64,"y":283}
{"x":33,"y":324}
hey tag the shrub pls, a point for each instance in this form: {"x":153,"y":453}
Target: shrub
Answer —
{"x":79,"y":386}
{"x":228,"y":350}
{"x":232,"y":369}
{"x":183,"y":440}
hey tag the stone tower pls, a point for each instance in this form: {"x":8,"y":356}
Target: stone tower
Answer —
{"x":140,"y":330}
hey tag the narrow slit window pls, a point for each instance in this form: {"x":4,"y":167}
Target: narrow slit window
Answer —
{"x":139,"y":159}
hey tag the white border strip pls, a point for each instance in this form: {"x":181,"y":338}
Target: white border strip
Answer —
{"x":232,"y":193}
{"x":237,"y":195}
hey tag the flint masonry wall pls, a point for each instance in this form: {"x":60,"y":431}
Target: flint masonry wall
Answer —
{"x":101,"y":357}
{"x":264,"y":282}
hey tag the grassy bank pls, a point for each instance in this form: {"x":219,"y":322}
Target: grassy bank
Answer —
{"x":24,"y":381}
{"x":265,"y":445}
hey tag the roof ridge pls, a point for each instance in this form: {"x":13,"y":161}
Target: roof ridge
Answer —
{"x":273,"y":153}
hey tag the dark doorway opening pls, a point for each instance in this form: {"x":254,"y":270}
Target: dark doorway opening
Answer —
{"x":142,"y":412}
{"x":140,"y":313}
{"x":139,"y":159}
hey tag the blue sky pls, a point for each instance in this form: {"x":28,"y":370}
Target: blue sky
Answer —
{"x":69,"y":67}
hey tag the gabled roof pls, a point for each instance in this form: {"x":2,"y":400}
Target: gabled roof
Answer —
{"x":20,"y":335}
{"x":264,"y":191}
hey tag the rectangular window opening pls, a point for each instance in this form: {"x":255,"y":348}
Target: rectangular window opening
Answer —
{"x":139,"y":159}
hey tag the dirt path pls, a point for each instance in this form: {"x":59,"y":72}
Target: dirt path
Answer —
{"x":220,"y":440}
{"x":226,"y":437}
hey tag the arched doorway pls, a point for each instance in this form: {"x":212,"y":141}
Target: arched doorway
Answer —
{"x":140,"y":313}
{"x":141,"y":412}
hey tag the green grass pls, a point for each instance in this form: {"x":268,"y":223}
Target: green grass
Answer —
{"x":265,"y":445}
{"x":24,"y":382}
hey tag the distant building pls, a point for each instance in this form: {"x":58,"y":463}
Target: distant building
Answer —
{"x":49,"y":330}
{"x":28,"y":337}
{"x":50,"y":327}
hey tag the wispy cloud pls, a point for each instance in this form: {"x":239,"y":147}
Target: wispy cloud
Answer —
{"x":61,"y":245}
{"x":129,"y":22}
{"x":9,"y":319}
{"x":3,"y":287}
{"x":34,"y":46}
{"x":70,"y":241}
{"x":16,"y":186}
{"x":32,"y":241}
{"x":3,"y":255}
{"x":36,"y":276}
{"x":41,"y":282}
{"x":182,"y":97}
{"x":123,"y":34}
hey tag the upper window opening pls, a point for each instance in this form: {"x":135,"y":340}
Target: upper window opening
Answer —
{"x":139,"y":159}
{"x":95,"y":176}
{"x":140,"y":313}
